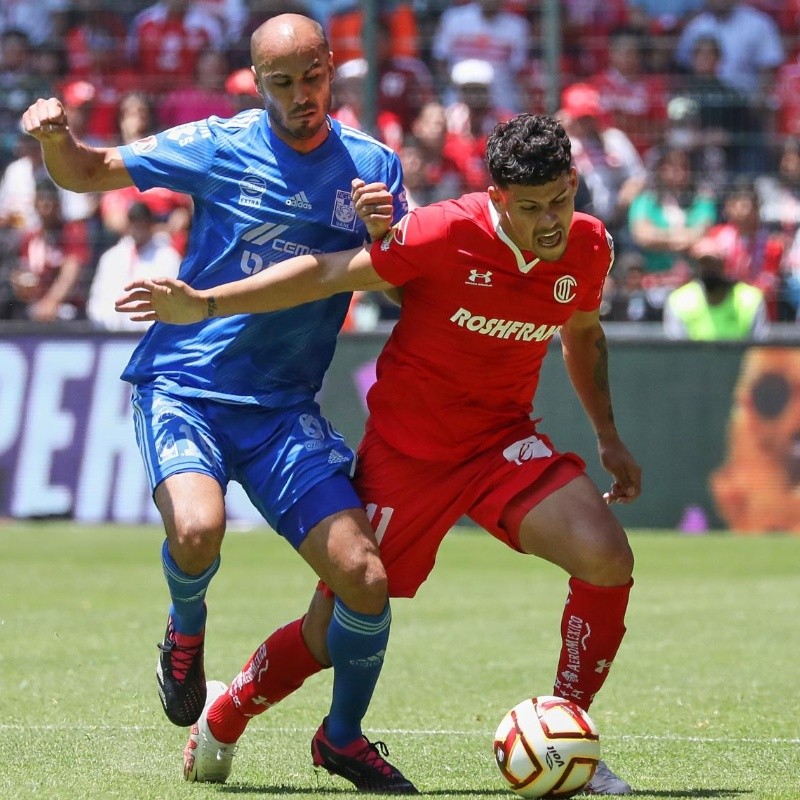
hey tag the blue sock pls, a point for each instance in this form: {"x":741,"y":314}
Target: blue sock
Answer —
{"x":188,"y":594}
{"x":356,"y":645}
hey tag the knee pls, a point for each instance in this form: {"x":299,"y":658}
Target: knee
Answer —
{"x":195,"y":543}
{"x":610,"y":563}
{"x":363,"y":585}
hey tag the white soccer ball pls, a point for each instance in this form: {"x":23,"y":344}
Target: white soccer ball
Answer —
{"x":547,"y":747}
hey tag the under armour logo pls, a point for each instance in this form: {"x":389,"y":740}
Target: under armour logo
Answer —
{"x":601,"y":665}
{"x":479,"y":278}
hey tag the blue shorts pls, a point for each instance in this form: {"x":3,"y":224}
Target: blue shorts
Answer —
{"x":293,"y":465}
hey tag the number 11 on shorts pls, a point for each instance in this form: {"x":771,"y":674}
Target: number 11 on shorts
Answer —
{"x":383,"y":519}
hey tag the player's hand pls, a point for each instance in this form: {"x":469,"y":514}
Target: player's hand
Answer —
{"x":374,"y":205}
{"x":46,"y":120}
{"x":627,"y":474}
{"x":162,"y":300}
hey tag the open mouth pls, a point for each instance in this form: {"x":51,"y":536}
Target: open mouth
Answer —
{"x":549,"y":240}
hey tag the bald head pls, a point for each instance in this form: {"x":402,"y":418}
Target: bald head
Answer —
{"x":293,"y":68}
{"x":284,"y":35}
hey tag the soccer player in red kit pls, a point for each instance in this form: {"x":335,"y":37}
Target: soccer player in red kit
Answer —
{"x":487,"y":281}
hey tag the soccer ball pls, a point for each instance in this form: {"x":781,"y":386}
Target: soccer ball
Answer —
{"x":547,"y":747}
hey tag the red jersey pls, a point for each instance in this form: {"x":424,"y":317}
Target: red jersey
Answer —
{"x":462,"y":364}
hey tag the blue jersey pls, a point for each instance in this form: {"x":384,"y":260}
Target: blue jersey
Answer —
{"x":256,"y":202}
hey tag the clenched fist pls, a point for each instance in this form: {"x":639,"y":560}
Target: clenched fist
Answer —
{"x":46,"y":120}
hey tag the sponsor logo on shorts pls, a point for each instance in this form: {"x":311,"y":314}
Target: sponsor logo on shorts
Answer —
{"x":526,"y":450}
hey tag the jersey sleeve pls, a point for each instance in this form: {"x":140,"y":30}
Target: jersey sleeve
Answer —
{"x":417,"y":241}
{"x":395,"y":184}
{"x":178,"y":158}
{"x":601,"y":265}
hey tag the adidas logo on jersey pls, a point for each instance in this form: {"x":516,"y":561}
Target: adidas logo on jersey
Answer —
{"x":337,"y":458}
{"x":299,"y":201}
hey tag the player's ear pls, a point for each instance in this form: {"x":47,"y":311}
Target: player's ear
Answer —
{"x":495,"y":196}
{"x":256,"y":79}
{"x":573,"y":178}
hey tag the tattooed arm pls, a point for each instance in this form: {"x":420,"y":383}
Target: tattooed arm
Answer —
{"x":586,"y":358}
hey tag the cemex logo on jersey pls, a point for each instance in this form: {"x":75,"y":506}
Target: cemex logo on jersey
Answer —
{"x":479,"y":278}
{"x":300,"y":200}
{"x":269,"y":233}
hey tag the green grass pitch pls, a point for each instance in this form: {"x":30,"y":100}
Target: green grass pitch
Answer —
{"x":703,"y":700}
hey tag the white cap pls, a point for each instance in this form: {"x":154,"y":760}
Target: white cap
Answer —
{"x":472,"y":70}
{"x":354,"y":68}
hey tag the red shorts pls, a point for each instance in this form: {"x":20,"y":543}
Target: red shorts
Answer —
{"x":412,"y":504}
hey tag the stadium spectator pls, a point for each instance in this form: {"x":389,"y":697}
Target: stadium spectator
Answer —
{"x":627,"y":297}
{"x":204,"y":98}
{"x":19,"y":86}
{"x":95,"y":55}
{"x":461,"y":441}
{"x":659,"y":15}
{"x":471,"y":118}
{"x":440,"y":152}
{"x":751,"y":252}
{"x":52,"y":259}
{"x":142,"y":252}
{"x":635,"y":102}
{"x":345,"y":22}
{"x":587,"y":25}
{"x":483,"y":30}
{"x":786,"y":96}
{"x":241,"y":87}
{"x":670,"y":216}
{"x":348,"y":88}
{"x":779,"y":191}
{"x":166,"y":39}
{"x":750,"y":45}
{"x":172,"y":210}
{"x":721,"y":126}
{"x":240,"y":395}
{"x":715,"y":306}
{"x":790,"y":289}
{"x":405,"y":83}
{"x":230,"y":14}
{"x":94,"y":26}
{"x":39,"y":20}
{"x":18,"y":189}
{"x":419,"y":190}
{"x":605,"y":157}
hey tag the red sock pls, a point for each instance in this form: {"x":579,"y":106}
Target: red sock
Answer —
{"x":278,"y":667}
{"x":591,"y":631}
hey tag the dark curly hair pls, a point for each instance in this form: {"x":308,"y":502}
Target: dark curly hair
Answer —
{"x":528,"y":149}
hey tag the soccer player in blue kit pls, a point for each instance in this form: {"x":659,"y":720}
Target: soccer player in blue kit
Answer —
{"x":233,"y":399}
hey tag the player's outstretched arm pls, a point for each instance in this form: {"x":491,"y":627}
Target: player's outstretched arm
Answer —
{"x":72,"y":164}
{"x":585,"y":352}
{"x":291,"y":283}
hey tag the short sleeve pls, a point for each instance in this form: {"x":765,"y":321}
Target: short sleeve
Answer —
{"x":411,"y":246}
{"x":602,"y":263}
{"x":179,"y":158}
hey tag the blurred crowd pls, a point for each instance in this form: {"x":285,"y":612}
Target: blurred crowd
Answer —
{"x":684,"y":117}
